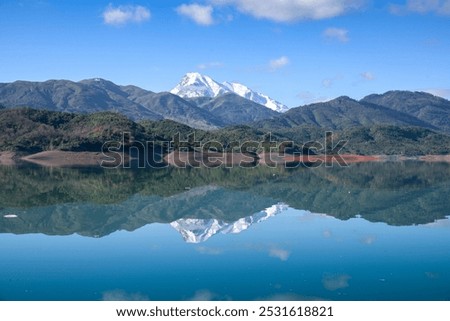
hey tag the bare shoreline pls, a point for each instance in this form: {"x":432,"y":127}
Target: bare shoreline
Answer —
{"x":57,"y":158}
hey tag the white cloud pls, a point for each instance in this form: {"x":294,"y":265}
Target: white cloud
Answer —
{"x":209,"y":65}
{"x":440,"y":7}
{"x":281,"y":254}
{"x":202,"y":15}
{"x":337,"y":34}
{"x":367,"y":75}
{"x":278,"y":63}
{"x":124,"y":14}
{"x":293,"y":10}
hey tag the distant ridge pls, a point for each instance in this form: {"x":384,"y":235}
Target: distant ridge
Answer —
{"x":98,"y":95}
{"x":394,"y":108}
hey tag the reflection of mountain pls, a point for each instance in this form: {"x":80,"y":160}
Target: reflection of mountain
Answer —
{"x":90,"y":203}
{"x":196,"y":230}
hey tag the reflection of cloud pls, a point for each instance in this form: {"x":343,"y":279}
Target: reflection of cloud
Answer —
{"x":203,"y":295}
{"x":369,"y":239}
{"x":207,"y":295}
{"x":281,"y":254}
{"x":327,"y":233}
{"x":289,"y":297}
{"x":120,"y":295}
{"x":333,"y":282}
{"x":208,"y":250}
{"x":432,"y":275}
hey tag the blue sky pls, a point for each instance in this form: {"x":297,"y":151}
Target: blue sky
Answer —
{"x":296,"y":51}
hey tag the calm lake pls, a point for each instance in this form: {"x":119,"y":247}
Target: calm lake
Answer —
{"x":371,"y":231}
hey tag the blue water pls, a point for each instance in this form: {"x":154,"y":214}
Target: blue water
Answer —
{"x":294,"y":255}
{"x":219,"y":234}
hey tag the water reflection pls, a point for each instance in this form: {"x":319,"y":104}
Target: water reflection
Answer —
{"x":199,"y":230}
{"x":218,"y":234}
{"x":99,"y":202}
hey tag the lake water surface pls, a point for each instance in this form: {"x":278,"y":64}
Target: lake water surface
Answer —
{"x":372,"y":231}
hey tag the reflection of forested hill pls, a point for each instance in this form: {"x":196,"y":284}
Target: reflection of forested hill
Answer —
{"x":87,"y":202}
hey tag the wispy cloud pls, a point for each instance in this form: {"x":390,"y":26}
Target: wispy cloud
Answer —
{"x":367,"y":75}
{"x":329,"y":82}
{"x":200,"y":14}
{"x":209,"y":65}
{"x":122,"y":15}
{"x":338,"y":34}
{"x":278,"y":63}
{"x":440,"y":7}
{"x":308,"y":97}
{"x":292,"y":10}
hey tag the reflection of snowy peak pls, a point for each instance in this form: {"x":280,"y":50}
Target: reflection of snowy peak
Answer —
{"x":199,"y":230}
{"x":196,"y":85}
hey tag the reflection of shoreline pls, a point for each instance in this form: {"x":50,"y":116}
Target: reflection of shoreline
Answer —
{"x":200,"y":230}
{"x":57,"y":158}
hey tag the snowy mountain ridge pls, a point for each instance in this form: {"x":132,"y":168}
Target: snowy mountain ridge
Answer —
{"x":194,"y":85}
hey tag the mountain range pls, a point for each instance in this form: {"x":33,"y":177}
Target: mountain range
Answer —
{"x":397,"y":108}
{"x":200,"y":102}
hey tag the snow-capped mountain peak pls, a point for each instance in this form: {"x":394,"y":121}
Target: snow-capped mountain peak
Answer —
{"x":194,"y":85}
